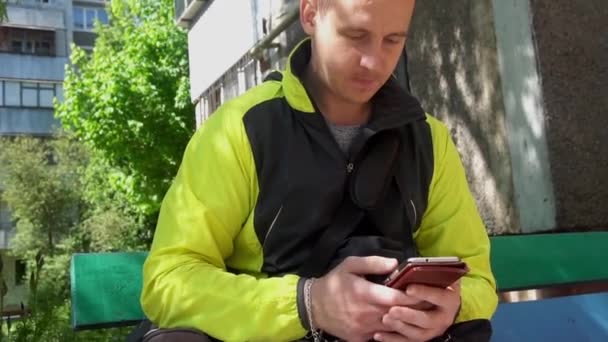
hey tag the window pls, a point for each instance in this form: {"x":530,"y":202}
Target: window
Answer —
{"x":46,"y":94}
{"x":27,"y":41}
{"x":43,"y":48}
{"x":12,"y":93}
{"x":17,"y":46}
{"x":85,"y":17}
{"x":59,"y":92}
{"x":29,"y":94}
{"x":91,"y":15}
{"x":78,"y":18}
{"x":30,"y":2}
{"x":103,"y":17}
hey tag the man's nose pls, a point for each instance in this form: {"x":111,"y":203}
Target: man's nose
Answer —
{"x":371,"y":57}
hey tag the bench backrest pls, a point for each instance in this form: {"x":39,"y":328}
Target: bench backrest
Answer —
{"x":536,"y":261}
{"x":106,"y":286}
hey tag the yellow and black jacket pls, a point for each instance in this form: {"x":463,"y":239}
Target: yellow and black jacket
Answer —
{"x":259,"y":182}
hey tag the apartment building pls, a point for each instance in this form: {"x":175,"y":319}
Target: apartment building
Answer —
{"x":34,"y":50}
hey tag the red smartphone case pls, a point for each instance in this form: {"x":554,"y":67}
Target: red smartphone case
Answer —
{"x":437,"y":275}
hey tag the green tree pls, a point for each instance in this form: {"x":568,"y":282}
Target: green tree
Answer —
{"x":47,"y":184}
{"x":111,"y":222}
{"x":3,"y":13}
{"x":129,"y":99}
{"x":41,"y":182}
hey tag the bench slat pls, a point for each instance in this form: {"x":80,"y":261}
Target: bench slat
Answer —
{"x":105,"y":289}
{"x":534,"y":261}
{"x":581,"y":318}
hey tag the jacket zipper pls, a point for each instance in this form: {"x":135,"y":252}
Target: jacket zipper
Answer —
{"x":350,"y":167}
{"x":274,"y":221}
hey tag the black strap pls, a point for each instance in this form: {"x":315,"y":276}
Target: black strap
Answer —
{"x":345,"y":222}
{"x":274,"y":76}
{"x":410,"y":210}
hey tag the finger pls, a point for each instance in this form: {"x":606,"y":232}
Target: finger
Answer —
{"x":422,"y":306}
{"x":369,"y":265}
{"x":408,"y":331}
{"x":386,"y":296}
{"x":390,"y":337}
{"x":433,"y":295}
{"x":420,"y":319}
{"x":374,"y":321}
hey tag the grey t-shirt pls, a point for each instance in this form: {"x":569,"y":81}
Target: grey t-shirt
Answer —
{"x":344,"y":134}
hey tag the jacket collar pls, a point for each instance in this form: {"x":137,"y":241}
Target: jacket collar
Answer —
{"x":392,"y":106}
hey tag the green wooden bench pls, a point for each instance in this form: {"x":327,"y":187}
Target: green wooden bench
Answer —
{"x":106,"y":286}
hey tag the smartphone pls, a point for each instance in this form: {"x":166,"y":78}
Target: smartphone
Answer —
{"x":432,"y":271}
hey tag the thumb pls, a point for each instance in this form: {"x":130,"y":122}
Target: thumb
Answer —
{"x":369,"y":265}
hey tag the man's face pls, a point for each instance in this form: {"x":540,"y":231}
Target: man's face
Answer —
{"x":357,"y":43}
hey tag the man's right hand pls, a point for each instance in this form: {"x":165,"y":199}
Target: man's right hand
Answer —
{"x":350,"y":307}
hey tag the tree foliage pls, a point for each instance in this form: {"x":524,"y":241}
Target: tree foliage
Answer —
{"x":48,"y":185}
{"x":41,"y":182}
{"x":130,"y":100}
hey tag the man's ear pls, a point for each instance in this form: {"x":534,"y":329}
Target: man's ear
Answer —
{"x":308,"y":14}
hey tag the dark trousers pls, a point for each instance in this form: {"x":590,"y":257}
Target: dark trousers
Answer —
{"x":147,"y":332}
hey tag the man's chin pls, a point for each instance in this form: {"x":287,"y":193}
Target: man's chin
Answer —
{"x":360,"y":98}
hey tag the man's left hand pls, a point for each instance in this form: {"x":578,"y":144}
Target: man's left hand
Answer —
{"x":412,"y":325}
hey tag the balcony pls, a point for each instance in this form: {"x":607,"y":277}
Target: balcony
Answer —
{"x":28,"y":121}
{"x":36,"y":15}
{"x":37,"y":3}
{"x":29,"y":67}
{"x":187,"y":10}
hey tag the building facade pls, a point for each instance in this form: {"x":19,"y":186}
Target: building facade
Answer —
{"x":34,"y":50}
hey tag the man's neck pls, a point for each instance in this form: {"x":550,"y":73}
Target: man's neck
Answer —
{"x":335,"y":109}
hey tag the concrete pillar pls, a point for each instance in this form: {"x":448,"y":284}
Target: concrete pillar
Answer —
{"x":525,"y":119}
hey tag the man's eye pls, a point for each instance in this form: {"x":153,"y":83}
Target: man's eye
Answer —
{"x":393,"y":40}
{"x":355,"y":36}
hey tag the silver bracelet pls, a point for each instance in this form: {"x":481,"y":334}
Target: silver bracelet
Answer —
{"x":316,"y":334}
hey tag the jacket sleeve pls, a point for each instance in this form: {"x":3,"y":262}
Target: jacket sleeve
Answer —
{"x":185,"y":281}
{"x":452,"y":226}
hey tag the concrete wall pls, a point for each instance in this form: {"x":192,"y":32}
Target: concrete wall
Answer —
{"x":453,"y":69}
{"x":572,"y":41}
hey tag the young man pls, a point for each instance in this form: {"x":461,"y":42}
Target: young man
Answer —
{"x":262,"y":180}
